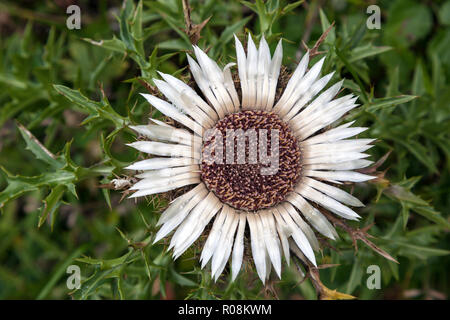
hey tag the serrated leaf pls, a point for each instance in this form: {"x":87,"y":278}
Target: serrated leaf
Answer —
{"x":291,"y":6}
{"x":392,"y":89}
{"x":51,"y":204}
{"x":105,"y":264}
{"x":19,"y":185}
{"x":354,"y":72}
{"x":250,"y":5}
{"x":357,"y":35}
{"x":404,"y":195}
{"x":432,"y":215}
{"x":89,"y":286}
{"x":181,"y":280}
{"x":405,"y":215}
{"x":124,"y":20}
{"x":38,"y":149}
{"x":227,"y":34}
{"x":355,"y":276}
{"x":420,"y":152}
{"x":331,"y":38}
{"x":420,"y":252}
{"x":136,"y":28}
{"x":96,"y":110}
{"x":366,"y":51}
{"x":380,"y":103}
{"x":10,"y":80}
{"x":264,"y":18}
{"x":413,"y":202}
{"x":114,"y":44}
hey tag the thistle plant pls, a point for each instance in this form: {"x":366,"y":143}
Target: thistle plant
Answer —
{"x":348,"y":172}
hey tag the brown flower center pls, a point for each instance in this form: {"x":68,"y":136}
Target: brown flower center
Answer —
{"x":251,"y":160}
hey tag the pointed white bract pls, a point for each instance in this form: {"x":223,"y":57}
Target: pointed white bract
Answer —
{"x":271,"y":240}
{"x":258,"y":73}
{"x":189,"y":96}
{"x":263,"y":75}
{"x":184,"y":103}
{"x":281,"y":106}
{"x":252,"y":68}
{"x":242,"y":69}
{"x":165,"y":133}
{"x":283,"y":233}
{"x":178,"y":210}
{"x":217,"y":82}
{"x":336,"y":193}
{"x":191,"y":228}
{"x":306,"y":229}
{"x":274,"y":72}
{"x":298,"y":235}
{"x":222,"y":253}
{"x":313,"y":216}
{"x":257,"y":245}
{"x":168,"y":172}
{"x":213,"y":239}
{"x":302,"y":85}
{"x":161,"y":163}
{"x":238,"y":248}
{"x":315,"y":88}
{"x":329,"y":157}
{"x":165,"y":149}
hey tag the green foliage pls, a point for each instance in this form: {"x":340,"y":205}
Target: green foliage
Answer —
{"x":68,"y":96}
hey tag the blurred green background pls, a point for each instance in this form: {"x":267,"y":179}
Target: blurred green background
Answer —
{"x":54,"y":209}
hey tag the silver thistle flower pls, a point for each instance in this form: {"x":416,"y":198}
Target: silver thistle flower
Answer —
{"x":277,"y":207}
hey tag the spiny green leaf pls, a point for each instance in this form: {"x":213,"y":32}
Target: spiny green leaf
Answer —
{"x":355,"y":276}
{"x":291,"y":6}
{"x":51,"y":204}
{"x":96,"y":110}
{"x":365,"y":51}
{"x":420,"y":152}
{"x":432,"y":215}
{"x":38,"y":149}
{"x":113,"y":44}
{"x":105,"y":264}
{"x":227,"y":34}
{"x":181,"y":280}
{"x":19,"y":185}
{"x":126,"y":15}
{"x":331,"y":38}
{"x":405,"y":195}
{"x":354,"y":73}
{"x":420,"y":252}
{"x":11,"y":81}
{"x":380,"y":103}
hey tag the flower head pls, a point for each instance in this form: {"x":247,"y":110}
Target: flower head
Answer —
{"x":262,"y":159}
